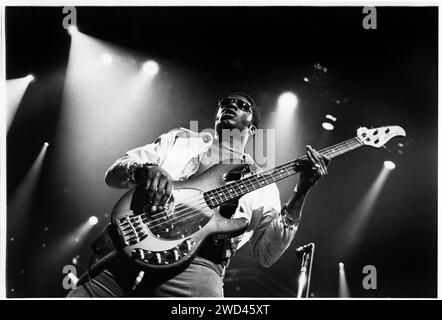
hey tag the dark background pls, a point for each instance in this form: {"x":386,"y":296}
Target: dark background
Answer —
{"x":383,"y":76}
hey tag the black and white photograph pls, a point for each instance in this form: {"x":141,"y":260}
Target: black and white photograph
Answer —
{"x":220,"y":151}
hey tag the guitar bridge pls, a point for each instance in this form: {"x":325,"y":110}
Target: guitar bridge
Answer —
{"x":131,"y":229}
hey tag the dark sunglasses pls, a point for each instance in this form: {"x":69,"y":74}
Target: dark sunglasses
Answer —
{"x":244,"y":106}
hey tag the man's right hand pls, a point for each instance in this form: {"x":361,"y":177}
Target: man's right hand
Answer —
{"x":158,"y":186}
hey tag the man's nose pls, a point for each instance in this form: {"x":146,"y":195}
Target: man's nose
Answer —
{"x":233,"y":106}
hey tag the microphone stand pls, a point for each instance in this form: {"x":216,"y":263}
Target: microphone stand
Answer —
{"x":307,"y":253}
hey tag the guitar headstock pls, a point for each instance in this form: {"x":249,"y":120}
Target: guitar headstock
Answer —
{"x":377,"y":137}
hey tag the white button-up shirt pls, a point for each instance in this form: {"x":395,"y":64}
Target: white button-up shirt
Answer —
{"x":180,"y":152}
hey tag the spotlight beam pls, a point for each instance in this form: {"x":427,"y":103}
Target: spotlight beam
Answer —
{"x":344,"y":292}
{"x":286,"y":122}
{"x":361,"y":213}
{"x":67,"y":245}
{"x":20,"y":203}
{"x":73,"y":30}
{"x":15,"y":90}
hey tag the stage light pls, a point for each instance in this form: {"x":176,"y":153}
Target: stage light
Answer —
{"x":344,"y":292}
{"x":150,"y":68}
{"x":93,"y":220}
{"x":328,"y":123}
{"x":389,"y":165}
{"x":30,"y":77}
{"x":106,"y":59}
{"x":341,"y":267}
{"x":328,"y":126}
{"x":306,"y":79}
{"x":288,"y":100}
{"x":72,"y":30}
{"x":73,"y":278}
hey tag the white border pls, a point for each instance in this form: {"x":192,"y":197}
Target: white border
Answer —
{"x":356,"y":3}
{"x":439,"y":175}
{"x":3,"y":234}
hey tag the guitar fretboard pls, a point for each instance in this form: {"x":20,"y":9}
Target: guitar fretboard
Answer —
{"x":256,"y":181}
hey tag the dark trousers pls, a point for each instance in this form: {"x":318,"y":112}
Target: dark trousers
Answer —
{"x":117,"y":278}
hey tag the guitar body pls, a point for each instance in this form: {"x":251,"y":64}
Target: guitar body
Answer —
{"x":172,"y":236}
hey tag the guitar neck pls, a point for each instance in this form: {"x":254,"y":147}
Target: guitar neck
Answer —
{"x":256,"y":181}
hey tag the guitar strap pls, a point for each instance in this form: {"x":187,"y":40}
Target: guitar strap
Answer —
{"x":105,"y":244}
{"x":104,"y":250}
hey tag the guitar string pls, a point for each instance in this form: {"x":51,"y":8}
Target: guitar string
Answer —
{"x":262,"y":174}
{"x":180,"y":218}
{"x":192,"y":213}
{"x":184,"y":214}
{"x":202,"y":202}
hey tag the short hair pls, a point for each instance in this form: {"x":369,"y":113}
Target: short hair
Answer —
{"x":256,"y":115}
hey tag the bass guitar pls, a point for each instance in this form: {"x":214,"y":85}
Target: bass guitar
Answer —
{"x":170,"y":237}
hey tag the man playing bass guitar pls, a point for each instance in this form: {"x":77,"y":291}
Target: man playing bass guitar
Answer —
{"x":178,"y":155}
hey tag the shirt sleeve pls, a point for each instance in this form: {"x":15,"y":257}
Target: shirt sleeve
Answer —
{"x":117,"y":175}
{"x":268,"y":235}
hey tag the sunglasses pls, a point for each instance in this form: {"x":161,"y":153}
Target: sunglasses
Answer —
{"x":242,"y":105}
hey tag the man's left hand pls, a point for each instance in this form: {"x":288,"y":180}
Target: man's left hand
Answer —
{"x":313,"y":169}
